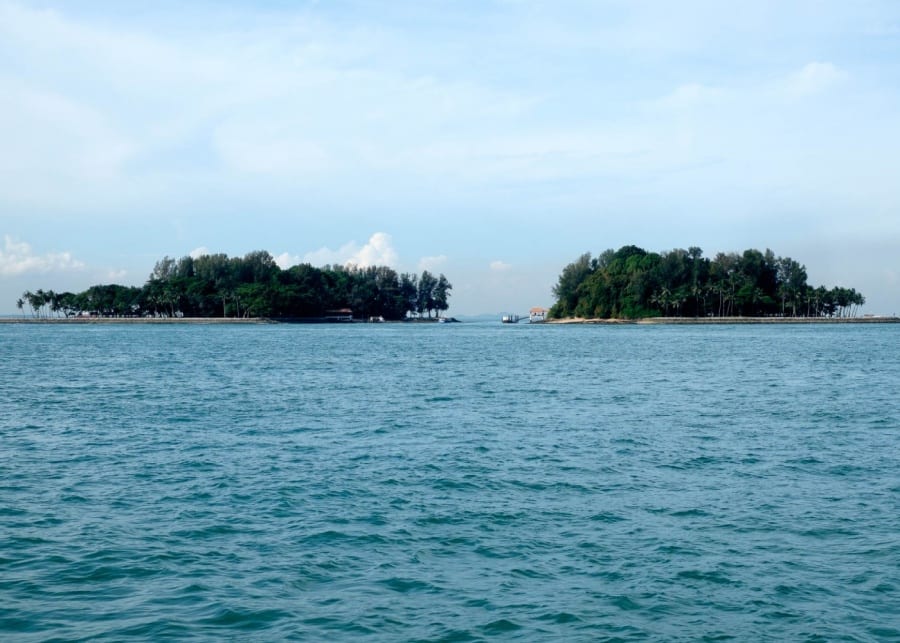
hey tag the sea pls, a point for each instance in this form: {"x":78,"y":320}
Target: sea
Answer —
{"x":449,"y":482}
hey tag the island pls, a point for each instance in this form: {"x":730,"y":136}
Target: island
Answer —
{"x":631,"y":284}
{"x":216,"y":286}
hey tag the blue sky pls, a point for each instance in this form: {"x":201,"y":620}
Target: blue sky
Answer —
{"x":491,"y":141}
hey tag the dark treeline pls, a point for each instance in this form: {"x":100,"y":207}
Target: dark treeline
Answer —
{"x":253,"y":286}
{"x":630,"y":283}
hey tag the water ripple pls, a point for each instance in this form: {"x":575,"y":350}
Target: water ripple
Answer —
{"x":449,"y":484}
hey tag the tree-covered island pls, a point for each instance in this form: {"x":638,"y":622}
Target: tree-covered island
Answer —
{"x":253,"y":286}
{"x":631,"y":283}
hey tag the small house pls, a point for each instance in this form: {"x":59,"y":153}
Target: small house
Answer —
{"x":537,"y":315}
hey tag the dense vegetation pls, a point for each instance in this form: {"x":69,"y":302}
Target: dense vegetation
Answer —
{"x":630,"y":283}
{"x":253,"y":286}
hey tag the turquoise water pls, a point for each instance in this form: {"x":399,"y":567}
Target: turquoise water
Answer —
{"x":459,"y":482}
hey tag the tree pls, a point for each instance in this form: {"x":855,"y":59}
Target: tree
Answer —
{"x":425,"y":299}
{"x":409,"y":292}
{"x":36,"y":301}
{"x":68,"y":303}
{"x":699,"y":271}
{"x":566,"y":288}
{"x":253,"y":285}
{"x":258,"y":267}
{"x":390,"y":300}
{"x":631,"y":282}
{"x":164,"y":269}
{"x":363,"y":293}
{"x":309,"y":295}
{"x":441,"y":294}
{"x":791,"y":280}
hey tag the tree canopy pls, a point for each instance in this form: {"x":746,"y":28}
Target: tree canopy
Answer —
{"x":630,"y":283}
{"x":253,"y":286}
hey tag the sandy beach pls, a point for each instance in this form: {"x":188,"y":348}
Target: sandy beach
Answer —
{"x":730,"y":320}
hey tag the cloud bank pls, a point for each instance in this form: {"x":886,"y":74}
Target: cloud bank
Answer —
{"x":378,"y":251}
{"x":18,"y":258}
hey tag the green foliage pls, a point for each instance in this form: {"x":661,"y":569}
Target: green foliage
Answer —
{"x":566,"y":289}
{"x":253,"y":286}
{"x":630,"y":283}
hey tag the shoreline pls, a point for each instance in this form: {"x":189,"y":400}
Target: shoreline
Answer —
{"x":646,"y":321}
{"x":134,"y":320}
{"x":726,"y":320}
{"x":80,"y":321}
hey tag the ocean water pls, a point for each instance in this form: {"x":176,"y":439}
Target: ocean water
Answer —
{"x":450,"y":482}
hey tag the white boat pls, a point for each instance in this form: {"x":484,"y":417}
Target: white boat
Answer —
{"x":510,"y":319}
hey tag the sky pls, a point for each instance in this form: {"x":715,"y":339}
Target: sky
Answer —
{"x":493,"y":141}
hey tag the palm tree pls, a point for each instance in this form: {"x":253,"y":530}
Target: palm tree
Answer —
{"x":696,"y":293}
{"x":53,"y":300}
{"x":34,"y":301}
{"x":661,"y":298}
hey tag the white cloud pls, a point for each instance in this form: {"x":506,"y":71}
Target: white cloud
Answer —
{"x":288,"y":100}
{"x":379,"y":251}
{"x":116,"y":276}
{"x":196,"y":253}
{"x":17,"y":258}
{"x":500,"y":266}
{"x":282,"y":99}
{"x":814,"y":78}
{"x":432,"y":264}
{"x":286,"y":260}
{"x":326,"y":256}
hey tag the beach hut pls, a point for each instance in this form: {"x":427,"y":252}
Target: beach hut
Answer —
{"x":537,"y":315}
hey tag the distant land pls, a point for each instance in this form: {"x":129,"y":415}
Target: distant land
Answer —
{"x":633,"y":284}
{"x":254,"y":288}
{"x":629,"y":285}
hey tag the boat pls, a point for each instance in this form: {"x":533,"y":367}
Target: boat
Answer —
{"x":510,"y":319}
